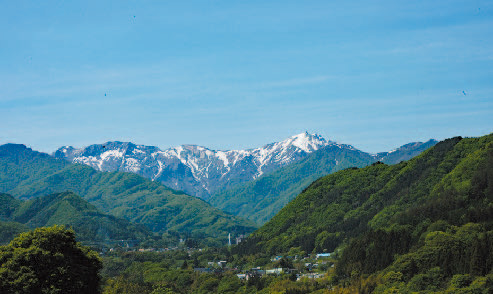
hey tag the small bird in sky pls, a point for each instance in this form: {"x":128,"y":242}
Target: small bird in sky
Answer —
{"x":464,"y":92}
{"x":105,"y":94}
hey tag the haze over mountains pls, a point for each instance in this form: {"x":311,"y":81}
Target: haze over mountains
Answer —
{"x":202,"y":172}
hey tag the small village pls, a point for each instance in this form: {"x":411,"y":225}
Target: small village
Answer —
{"x":296,"y":266}
{"x":312,"y":267}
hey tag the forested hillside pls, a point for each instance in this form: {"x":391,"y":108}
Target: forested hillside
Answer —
{"x":422,"y":224}
{"x":27,"y":174}
{"x":71,"y":210}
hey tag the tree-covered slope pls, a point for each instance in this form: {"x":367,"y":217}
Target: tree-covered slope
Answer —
{"x":72,"y":210}
{"x":67,"y":209}
{"x":18,"y":165}
{"x":121,"y":194}
{"x":350,"y":202}
{"x":261,"y":199}
{"x":442,"y":242}
{"x":421,"y":225}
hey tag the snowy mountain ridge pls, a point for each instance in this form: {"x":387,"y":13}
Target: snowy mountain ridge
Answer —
{"x":195,"y":169}
{"x":201,"y":172}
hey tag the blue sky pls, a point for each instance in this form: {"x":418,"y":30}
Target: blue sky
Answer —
{"x":234,"y":75}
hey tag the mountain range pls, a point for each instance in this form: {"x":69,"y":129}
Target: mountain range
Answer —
{"x":203,"y":172}
{"x":196,"y":170}
{"x":27,"y":174}
{"x":253,"y":184}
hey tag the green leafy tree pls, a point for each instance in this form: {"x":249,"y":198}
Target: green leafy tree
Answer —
{"x":48,"y":260}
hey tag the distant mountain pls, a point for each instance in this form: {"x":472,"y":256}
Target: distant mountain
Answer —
{"x":404,"y":152}
{"x":261,"y":199}
{"x":27,"y":174}
{"x":70,"y":209}
{"x":193,"y":169}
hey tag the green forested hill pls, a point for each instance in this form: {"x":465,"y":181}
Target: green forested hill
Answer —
{"x":354,"y":200}
{"x":70,"y":209}
{"x":427,"y":219}
{"x":27,"y":174}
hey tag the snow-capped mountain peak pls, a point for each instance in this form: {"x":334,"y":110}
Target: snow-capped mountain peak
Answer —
{"x":307,"y":142}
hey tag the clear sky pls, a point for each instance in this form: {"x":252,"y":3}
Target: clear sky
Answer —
{"x":241,"y":74}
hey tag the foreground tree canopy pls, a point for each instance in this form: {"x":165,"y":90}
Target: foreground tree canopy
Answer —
{"x":48,"y":260}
